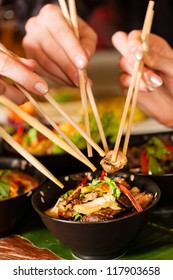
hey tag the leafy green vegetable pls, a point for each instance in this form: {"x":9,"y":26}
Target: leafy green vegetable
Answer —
{"x":65,"y":195}
{"x":110,"y":123}
{"x":111,"y":183}
{"x":156,"y":147}
{"x":113,"y":186}
{"x":33,"y":134}
{"x":153,"y":166}
{"x":63,"y":97}
{"x":4,"y":186}
{"x":77,"y":216}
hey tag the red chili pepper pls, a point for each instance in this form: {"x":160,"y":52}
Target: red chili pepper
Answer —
{"x":103,"y":174}
{"x":131,"y":197}
{"x":144,"y":162}
{"x":169,"y":147}
{"x":83,"y":182}
{"x":20,"y":130}
{"x":41,"y":137}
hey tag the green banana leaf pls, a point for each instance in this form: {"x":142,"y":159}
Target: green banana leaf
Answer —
{"x":155,"y":242}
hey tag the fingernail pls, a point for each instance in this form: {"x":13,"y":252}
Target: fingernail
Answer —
{"x":138,"y":54}
{"x":41,"y":88}
{"x":145,"y":46}
{"x":156,"y":81}
{"x":150,"y":88}
{"x":80,"y":61}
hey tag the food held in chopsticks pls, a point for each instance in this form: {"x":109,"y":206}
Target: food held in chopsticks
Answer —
{"x":100,"y":199}
{"x":111,"y":166}
{"x":15,"y":182}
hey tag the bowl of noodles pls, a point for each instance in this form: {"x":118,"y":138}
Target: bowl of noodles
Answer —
{"x":18,"y":180}
{"x":97,"y":215}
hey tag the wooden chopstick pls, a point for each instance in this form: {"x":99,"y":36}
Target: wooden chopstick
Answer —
{"x":40,"y":109}
{"x":61,"y":111}
{"x":73,"y":14}
{"x":10,"y":140}
{"x":74,"y":124}
{"x":72,"y":19}
{"x":44,"y":130}
{"x":134,"y":87}
{"x":144,"y":37}
{"x":97,"y":117}
{"x":50,"y":120}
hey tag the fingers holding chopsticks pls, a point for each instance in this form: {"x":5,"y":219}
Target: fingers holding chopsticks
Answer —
{"x":129,"y":45}
{"x":57,"y":45}
{"x":12,"y":92}
{"x":20,"y":71}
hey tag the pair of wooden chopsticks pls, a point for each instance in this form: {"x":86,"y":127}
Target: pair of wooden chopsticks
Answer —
{"x":85,"y":88}
{"x":49,"y":98}
{"x":134,"y":87}
{"x":66,"y":145}
{"x":9,"y":139}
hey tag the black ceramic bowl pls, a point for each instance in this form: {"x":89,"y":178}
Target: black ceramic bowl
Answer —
{"x":12,"y":210}
{"x":164,"y":181}
{"x":94,"y":240}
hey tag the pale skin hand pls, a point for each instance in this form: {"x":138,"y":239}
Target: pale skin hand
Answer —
{"x":20,"y":71}
{"x":51,"y":42}
{"x":156,"y":89}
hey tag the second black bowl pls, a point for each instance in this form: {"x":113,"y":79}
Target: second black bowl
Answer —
{"x":12,"y":210}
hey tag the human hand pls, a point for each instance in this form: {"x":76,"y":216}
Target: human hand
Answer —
{"x":21,"y":71}
{"x":51,"y":42}
{"x":156,"y":89}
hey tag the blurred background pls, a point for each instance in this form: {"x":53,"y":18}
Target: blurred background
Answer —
{"x":105,"y":16}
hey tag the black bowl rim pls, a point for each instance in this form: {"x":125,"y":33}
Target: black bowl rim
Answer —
{"x":150,"y":175}
{"x":26,"y":194}
{"x":41,"y":214}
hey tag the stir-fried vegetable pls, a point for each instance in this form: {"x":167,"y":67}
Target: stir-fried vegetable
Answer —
{"x":15,"y":182}
{"x":154,"y":157}
{"x":101,"y":199}
{"x":36,"y":143}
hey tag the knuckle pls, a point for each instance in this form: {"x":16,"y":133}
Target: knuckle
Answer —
{"x":47,"y":9}
{"x":31,"y":22}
